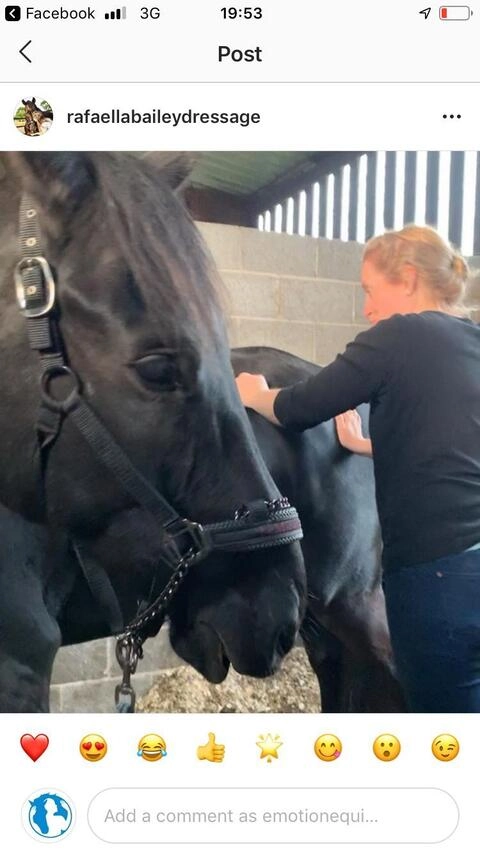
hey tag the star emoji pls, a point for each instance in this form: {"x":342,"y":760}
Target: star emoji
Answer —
{"x":269,"y":745}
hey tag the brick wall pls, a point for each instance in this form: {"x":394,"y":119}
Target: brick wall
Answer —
{"x":296,"y":293}
{"x":299,"y":294}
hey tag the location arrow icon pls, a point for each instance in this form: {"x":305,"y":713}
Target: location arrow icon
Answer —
{"x":24,"y":54}
{"x":425,"y":12}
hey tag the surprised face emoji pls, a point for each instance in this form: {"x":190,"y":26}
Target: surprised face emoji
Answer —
{"x":386,"y":747}
{"x":152,"y":747}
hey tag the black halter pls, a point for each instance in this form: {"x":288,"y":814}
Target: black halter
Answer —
{"x":258,"y":525}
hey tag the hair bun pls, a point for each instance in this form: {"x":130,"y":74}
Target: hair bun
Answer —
{"x":459,"y":266}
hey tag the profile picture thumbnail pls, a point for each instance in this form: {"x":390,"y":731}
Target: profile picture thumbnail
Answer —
{"x":32,"y":117}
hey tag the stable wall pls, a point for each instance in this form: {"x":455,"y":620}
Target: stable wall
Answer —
{"x":299,"y":294}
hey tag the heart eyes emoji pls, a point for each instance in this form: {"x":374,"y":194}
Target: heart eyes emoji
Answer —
{"x":93,"y":747}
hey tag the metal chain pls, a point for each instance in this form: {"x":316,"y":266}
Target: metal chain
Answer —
{"x":129,"y":647}
{"x":160,"y":605}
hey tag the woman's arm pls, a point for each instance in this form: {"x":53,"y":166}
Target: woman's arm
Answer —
{"x":255,"y":394}
{"x":349,"y":432}
{"x":353,"y":378}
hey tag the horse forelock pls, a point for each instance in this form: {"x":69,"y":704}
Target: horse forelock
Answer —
{"x":160,"y":244}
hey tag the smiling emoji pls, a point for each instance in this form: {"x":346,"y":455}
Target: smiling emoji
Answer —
{"x":93,"y":747}
{"x":152,"y":747}
{"x":327,"y":747}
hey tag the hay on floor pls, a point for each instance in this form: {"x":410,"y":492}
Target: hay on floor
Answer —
{"x":181,"y":689}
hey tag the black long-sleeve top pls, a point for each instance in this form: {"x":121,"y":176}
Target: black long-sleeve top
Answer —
{"x":421,"y":375}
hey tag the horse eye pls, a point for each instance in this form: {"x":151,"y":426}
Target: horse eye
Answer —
{"x":158,"y":369}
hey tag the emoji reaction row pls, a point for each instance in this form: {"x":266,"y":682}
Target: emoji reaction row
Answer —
{"x":327,"y":747}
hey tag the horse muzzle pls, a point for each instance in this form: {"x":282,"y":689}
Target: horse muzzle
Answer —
{"x":252,"y":636}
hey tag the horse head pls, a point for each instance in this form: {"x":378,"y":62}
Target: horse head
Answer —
{"x":139,"y":318}
{"x":30,"y":105}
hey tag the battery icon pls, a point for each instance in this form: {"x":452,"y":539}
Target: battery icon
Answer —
{"x":455,"y":13}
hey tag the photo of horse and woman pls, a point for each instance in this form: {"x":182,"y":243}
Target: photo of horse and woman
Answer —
{"x":33,"y":119}
{"x":136,"y":488}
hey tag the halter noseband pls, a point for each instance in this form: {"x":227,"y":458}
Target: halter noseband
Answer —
{"x":260,"y":524}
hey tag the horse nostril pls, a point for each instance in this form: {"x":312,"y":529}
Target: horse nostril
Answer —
{"x":286,"y":638}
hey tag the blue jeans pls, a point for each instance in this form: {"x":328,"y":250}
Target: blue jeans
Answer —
{"x":433,"y":612}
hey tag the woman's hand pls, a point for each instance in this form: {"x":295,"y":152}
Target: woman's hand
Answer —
{"x":255,"y":393}
{"x":349,"y":432}
{"x":249,"y":387}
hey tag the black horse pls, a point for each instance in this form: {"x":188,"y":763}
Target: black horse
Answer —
{"x":345,"y":630}
{"x":136,"y":312}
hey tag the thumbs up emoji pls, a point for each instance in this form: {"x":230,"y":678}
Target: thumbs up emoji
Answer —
{"x":211,"y":751}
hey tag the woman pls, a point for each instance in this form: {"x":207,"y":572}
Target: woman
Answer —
{"x":419,"y":368}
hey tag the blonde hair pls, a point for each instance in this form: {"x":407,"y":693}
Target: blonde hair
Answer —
{"x":443,"y":270}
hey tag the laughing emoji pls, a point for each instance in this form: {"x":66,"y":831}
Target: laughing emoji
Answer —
{"x":152,"y":747}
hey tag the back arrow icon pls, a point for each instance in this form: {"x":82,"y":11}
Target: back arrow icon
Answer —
{"x":24,"y":54}
{"x":425,"y":12}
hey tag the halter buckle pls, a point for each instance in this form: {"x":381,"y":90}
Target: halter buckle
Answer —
{"x":49,"y":285}
{"x":197,"y":547}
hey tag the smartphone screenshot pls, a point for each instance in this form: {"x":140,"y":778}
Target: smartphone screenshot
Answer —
{"x":239,"y":426}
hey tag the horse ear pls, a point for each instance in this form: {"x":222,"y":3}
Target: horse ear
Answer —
{"x":175,"y":167}
{"x":34,"y":102}
{"x":24,"y":103}
{"x":60,"y":180}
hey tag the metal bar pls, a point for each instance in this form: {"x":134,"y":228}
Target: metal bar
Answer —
{"x":410,"y":186}
{"x":296,"y":213}
{"x":371,"y":184}
{"x":337,"y":204}
{"x":353,"y":203}
{"x":455,"y":217}
{"x":309,"y":210}
{"x":322,"y":213}
{"x":433,"y":171}
{"x":389,"y":201}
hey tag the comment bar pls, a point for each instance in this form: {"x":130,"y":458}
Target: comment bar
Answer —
{"x":280,"y":815}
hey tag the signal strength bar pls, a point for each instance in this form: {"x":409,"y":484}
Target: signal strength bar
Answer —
{"x":117,"y":14}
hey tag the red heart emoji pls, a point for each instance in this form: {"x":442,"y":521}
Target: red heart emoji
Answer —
{"x":87,"y":745}
{"x":99,"y":745}
{"x":34,"y":746}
